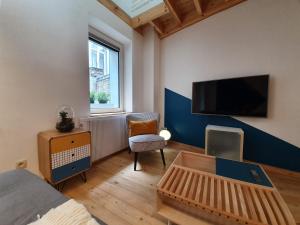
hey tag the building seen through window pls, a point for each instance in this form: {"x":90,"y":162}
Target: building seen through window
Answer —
{"x":104,"y":77}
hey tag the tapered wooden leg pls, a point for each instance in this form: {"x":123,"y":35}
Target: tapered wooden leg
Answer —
{"x":129,"y":150}
{"x":135,"y":159}
{"x":162,"y":156}
{"x":83,"y":177}
{"x":60,"y":186}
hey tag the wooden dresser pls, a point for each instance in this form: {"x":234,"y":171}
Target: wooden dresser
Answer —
{"x":64,"y":155}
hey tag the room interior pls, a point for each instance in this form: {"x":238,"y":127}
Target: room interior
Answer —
{"x":149,"y":112}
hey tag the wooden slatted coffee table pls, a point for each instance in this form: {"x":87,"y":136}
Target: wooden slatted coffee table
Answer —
{"x":192,"y":188}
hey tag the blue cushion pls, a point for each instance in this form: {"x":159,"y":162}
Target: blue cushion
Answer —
{"x":241,"y":171}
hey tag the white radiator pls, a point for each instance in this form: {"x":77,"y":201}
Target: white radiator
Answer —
{"x":108,"y":134}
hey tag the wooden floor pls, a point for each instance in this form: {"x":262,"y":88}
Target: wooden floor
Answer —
{"x":120,"y":196}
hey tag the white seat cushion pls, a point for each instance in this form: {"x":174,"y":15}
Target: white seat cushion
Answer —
{"x":146,"y":142}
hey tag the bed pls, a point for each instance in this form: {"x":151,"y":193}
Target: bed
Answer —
{"x":24,"y":195}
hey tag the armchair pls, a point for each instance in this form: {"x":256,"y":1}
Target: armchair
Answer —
{"x":144,"y":141}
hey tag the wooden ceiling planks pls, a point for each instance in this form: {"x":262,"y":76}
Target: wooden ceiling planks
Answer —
{"x":149,"y":15}
{"x":171,"y":6}
{"x":157,"y":27}
{"x":184,"y":7}
{"x":173,"y":15}
{"x":210,"y":9}
{"x":198,"y":7}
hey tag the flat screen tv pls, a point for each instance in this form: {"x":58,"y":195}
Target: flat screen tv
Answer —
{"x":244,"y":96}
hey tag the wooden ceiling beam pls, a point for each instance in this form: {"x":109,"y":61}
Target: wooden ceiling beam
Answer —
{"x":157,"y":27}
{"x":198,"y":7}
{"x":172,"y":9}
{"x":140,"y":30}
{"x":150,"y":15}
{"x":227,"y":4}
{"x":116,"y":10}
{"x":165,"y":29}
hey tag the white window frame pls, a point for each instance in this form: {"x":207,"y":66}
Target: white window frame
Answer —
{"x":102,"y":36}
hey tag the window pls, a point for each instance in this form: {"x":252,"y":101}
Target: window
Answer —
{"x":104,"y":76}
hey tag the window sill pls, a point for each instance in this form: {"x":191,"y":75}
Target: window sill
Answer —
{"x":92,"y":115}
{"x":95,"y":116}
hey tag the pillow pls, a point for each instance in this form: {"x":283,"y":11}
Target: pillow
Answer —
{"x":142,"y":127}
{"x":68,"y":213}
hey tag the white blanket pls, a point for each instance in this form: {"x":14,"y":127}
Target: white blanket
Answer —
{"x":69,"y":213}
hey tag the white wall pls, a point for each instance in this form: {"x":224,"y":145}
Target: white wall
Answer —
{"x":137,"y":73}
{"x":255,"y":37}
{"x":44,"y":64}
{"x":150,"y":82}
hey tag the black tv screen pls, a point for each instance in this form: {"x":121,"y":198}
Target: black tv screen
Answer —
{"x":244,"y":96}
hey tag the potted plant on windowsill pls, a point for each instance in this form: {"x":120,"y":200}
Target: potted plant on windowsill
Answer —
{"x":92,"y":97}
{"x":103,"y":98}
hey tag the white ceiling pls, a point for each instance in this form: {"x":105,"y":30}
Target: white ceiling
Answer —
{"x":135,"y":7}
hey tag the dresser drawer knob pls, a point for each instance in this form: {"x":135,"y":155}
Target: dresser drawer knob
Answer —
{"x":72,"y":142}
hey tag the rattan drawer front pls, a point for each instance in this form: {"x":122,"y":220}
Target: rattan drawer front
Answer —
{"x":69,"y":142}
{"x":65,"y":157}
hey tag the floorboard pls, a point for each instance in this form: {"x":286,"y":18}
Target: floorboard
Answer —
{"x":120,"y":196}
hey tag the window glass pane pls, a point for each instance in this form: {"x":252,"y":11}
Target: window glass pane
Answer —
{"x":94,"y":58}
{"x":104,"y":77}
{"x":101,"y":60}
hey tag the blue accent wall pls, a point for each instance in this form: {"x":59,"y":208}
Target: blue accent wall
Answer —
{"x":259,"y":146}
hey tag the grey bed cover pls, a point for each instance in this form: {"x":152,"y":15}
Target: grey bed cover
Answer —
{"x":24,"y":195}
